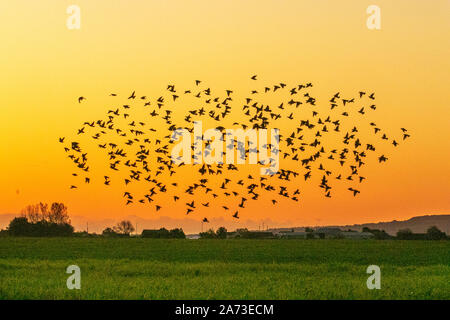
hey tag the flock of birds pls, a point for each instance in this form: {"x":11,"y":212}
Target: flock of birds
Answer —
{"x":308,"y":149}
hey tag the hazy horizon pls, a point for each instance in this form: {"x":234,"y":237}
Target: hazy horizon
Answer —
{"x":47,"y":67}
{"x":191,"y":225}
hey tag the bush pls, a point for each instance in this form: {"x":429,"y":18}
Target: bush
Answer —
{"x":433,"y":233}
{"x":124,"y":227}
{"x":407,"y":234}
{"x":177,"y":233}
{"x":210,"y":234}
{"x":109,"y":232}
{"x":163,"y":233}
{"x":43,"y":228}
{"x":221,"y":233}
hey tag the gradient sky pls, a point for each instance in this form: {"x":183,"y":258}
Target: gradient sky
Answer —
{"x":144,"y":45}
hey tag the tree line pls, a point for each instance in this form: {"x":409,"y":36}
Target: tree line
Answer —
{"x":432,"y":233}
{"x":43,"y":220}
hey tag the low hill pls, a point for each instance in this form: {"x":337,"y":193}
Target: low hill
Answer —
{"x":418,"y":224}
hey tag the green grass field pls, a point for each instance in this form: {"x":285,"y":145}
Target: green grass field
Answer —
{"x":34,"y":268}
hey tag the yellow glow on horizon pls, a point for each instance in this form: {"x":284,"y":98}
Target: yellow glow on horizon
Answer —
{"x":144,"y":45}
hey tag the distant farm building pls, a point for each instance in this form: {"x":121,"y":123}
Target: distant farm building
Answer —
{"x":323,"y":233}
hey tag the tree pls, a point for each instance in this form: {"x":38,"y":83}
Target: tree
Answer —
{"x":177,"y":233}
{"x":35,"y":212}
{"x":163,"y":233}
{"x":210,"y":234}
{"x":58,"y":214}
{"x":19,"y":226}
{"x":38,"y":221}
{"x":109,"y":232}
{"x":124,"y":227}
{"x":221,"y":233}
{"x":40,"y":212}
{"x":433,"y":233}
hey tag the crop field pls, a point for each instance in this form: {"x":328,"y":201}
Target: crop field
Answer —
{"x":136,"y":268}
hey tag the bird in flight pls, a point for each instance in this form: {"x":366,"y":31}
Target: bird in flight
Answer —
{"x":133,"y":95}
{"x":324,"y":145}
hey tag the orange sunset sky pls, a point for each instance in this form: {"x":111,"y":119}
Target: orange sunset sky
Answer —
{"x":124,"y":46}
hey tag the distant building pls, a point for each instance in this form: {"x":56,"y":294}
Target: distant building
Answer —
{"x":192,"y":236}
{"x":328,"y":232}
{"x":357,"y":235}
